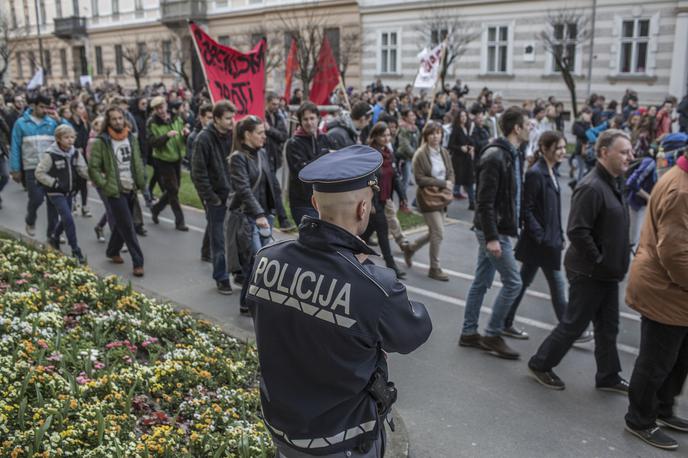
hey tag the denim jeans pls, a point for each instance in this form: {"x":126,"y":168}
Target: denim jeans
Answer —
{"x":36,"y":197}
{"x":299,"y":212}
{"x":63,"y":207}
{"x":484,"y":275}
{"x":405,"y":174}
{"x":557,"y":289}
{"x":215,"y":214}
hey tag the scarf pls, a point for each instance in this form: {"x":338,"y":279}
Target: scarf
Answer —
{"x":118,"y":136}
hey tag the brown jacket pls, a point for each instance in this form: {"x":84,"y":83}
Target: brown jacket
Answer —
{"x":658,"y":282}
{"x":422,"y":172}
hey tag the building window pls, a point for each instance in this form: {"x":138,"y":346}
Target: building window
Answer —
{"x":167,"y":57}
{"x":95,"y":10}
{"x":119,"y":60}
{"x":141,"y":52}
{"x":115,"y":9}
{"x":63,"y":62}
{"x":20,"y":69}
{"x":47,"y":62}
{"x":565,"y":36}
{"x":332,"y":35}
{"x":99,"y":60}
{"x":13,"y":14}
{"x":27,"y":22}
{"x":42,"y":10}
{"x":223,"y":40}
{"x":635,"y":40}
{"x":437,"y":36}
{"x":58,"y":8}
{"x":32,"y":62}
{"x":497,"y":49}
{"x":389,"y":52}
{"x":75,"y":8}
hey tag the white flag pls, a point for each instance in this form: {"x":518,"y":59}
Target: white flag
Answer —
{"x":429,"y":67}
{"x":37,"y":80}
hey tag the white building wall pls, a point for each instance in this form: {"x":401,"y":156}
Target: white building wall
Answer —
{"x":528,"y":80}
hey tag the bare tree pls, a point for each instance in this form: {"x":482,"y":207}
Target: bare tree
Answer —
{"x":138,"y":60}
{"x":274,"y":52}
{"x":351,"y":45}
{"x":180,"y":59}
{"x":565,"y":31}
{"x":308,"y":31}
{"x":8,"y":43}
{"x":443,"y":25}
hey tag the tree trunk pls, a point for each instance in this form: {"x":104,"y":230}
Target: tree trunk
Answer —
{"x":137,"y":78}
{"x":571,"y":85}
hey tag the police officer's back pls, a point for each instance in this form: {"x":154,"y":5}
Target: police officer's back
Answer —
{"x":325,"y":316}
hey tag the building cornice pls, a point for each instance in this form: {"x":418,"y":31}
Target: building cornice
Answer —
{"x":256,"y":10}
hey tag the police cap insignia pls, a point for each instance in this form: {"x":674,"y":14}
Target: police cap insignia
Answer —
{"x":347,"y":169}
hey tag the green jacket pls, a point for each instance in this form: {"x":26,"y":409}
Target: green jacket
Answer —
{"x":168,"y":149}
{"x":102,"y":167}
{"x":407,"y":143}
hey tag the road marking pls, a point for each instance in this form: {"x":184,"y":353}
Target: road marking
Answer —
{"x":529,"y":292}
{"x":488,"y":310}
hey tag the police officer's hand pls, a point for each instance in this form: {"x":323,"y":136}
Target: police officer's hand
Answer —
{"x":16,"y":176}
{"x":494,"y":248}
{"x":262,"y":222}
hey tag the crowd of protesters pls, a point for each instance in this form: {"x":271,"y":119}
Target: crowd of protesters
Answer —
{"x":504,"y":161}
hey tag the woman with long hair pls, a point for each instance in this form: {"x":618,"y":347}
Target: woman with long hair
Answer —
{"x":384,"y":218}
{"x":78,"y":119}
{"x":462,"y":150}
{"x":542,"y":239}
{"x":431,"y":167}
{"x":254,"y":192}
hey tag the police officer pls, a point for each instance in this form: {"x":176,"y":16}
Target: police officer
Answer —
{"x":325,"y":317}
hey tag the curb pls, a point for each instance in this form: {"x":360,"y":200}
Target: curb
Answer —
{"x":397,"y":441}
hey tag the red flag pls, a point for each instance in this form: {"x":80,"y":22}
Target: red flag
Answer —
{"x":231,"y":74}
{"x":327,"y":77}
{"x":289,"y":71}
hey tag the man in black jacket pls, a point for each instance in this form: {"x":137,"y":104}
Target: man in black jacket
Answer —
{"x":210,"y":175}
{"x":498,"y":198}
{"x":596,"y":261}
{"x":305,"y":146}
{"x":277,"y":134}
{"x":347,"y":129}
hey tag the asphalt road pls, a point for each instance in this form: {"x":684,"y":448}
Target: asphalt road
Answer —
{"x":456,"y":402}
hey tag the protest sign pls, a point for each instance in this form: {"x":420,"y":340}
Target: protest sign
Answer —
{"x":233,"y":75}
{"x":429,"y":67}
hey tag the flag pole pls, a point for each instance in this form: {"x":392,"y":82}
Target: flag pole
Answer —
{"x":346,"y":96}
{"x":198,"y":54}
{"x":434,"y":86}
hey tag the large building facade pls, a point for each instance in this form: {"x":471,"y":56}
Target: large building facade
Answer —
{"x":106,"y":38}
{"x":639,"y":44}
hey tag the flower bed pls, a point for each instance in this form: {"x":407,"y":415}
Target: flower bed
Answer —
{"x":91,"y":368}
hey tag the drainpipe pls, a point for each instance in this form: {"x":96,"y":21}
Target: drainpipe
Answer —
{"x":40,"y":40}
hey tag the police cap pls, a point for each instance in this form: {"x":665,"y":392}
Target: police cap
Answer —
{"x":347,"y":169}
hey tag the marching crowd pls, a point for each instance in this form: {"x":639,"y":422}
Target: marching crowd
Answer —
{"x":503,"y":161}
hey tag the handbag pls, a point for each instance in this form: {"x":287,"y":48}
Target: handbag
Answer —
{"x":434,"y":198}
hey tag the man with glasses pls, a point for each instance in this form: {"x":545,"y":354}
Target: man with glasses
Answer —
{"x":32,"y":135}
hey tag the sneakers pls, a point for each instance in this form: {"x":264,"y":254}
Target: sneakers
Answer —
{"x":655,"y":437}
{"x":547,"y":379}
{"x":86,"y":212}
{"x":141,"y":231}
{"x":620,"y":387}
{"x":470,"y":340}
{"x":496,"y":346}
{"x":239,"y":278}
{"x":100,"y":235}
{"x":54,"y":243}
{"x":116,"y":259}
{"x":586,"y":337}
{"x":30,"y":230}
{"x":438,"y":274}
{"x":224,"y":287}
{"x":515,"y":333}
{"x":205,"y":258}
{"x":138,"y":272}
{"x":182,"y":227}
{"x":400,"y":273}
{"x":76,"y":254}
{"x":674,"y":422}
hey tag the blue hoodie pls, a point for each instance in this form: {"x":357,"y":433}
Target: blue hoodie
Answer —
{"x":30,"y":140}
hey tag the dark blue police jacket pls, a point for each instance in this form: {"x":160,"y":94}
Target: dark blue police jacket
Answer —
{"x":323,"y":323}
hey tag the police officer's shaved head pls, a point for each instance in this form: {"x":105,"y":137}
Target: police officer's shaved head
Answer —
{"x":349,"y":209}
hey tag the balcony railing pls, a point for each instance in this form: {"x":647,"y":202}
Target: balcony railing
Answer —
{"x":176,"y":11}
{"x":70,"y":27}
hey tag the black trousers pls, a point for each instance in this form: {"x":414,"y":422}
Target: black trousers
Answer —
{"x":169,"y":175}
{"x":659,"y":374}
{"x":589,"y":300}
{"x":378,"y":224}
{"x":122,"y":208}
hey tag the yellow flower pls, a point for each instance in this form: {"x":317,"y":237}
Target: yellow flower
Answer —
{"x":73,"y":404}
